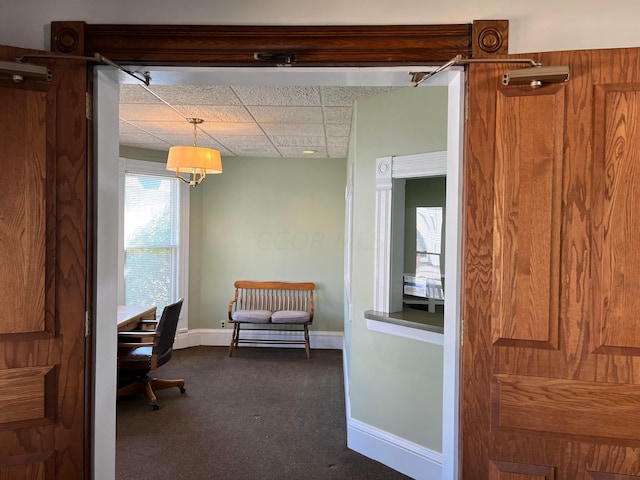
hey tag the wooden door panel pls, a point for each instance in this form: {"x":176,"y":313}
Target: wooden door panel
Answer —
{"x":526,"y":240}
{"x":567,"y":407}
{"x":24,"y":393}
{"x":575,"y":460}
{"x":43,"y":264}
{"x":23,"y":219}
{"x":551,"y":362}
{"x":616,"y":212}
{"x":520,"y":471}
{"x":610,"y":476}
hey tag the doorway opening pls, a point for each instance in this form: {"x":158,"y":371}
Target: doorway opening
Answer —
{"x":107,"y":99}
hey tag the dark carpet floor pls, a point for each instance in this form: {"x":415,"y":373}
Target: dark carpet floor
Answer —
{"x":265,"y":413}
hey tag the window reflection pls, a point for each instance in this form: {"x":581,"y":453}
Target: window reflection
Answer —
{"x":428,"y":251}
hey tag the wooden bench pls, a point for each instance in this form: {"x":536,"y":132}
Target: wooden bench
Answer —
{"x":271,"y":303}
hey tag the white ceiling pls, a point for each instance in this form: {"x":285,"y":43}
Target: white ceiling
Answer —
{"x":269,"y":113}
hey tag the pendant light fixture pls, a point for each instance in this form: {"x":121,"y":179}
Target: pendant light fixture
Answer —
{"x":194,"y":161}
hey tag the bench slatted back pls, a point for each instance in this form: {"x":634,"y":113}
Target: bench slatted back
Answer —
{"x":274,"y":296}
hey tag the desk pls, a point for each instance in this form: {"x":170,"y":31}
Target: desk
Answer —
{"x":129,"y":316}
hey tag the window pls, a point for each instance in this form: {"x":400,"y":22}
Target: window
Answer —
{"x":428,"y":249}
{"x":154,"y":235}
{"x":391,"y":179}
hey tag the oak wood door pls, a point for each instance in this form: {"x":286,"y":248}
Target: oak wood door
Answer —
{"x":43,"y":198}
{"x":551,"y":354}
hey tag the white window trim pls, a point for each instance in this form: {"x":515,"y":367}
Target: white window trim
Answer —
{"x":127,"y":165}
{"x":388,"y":197}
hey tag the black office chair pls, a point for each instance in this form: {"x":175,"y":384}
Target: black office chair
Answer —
{"x":152,"y":350}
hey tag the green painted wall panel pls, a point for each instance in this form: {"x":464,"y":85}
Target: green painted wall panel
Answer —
{"x":268,"y":219}
{"x":395,"y":383}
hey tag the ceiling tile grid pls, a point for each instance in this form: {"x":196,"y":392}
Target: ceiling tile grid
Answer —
{"x":262,"y":121}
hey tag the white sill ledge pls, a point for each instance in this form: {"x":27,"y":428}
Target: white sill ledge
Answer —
{"x":407,"y":326}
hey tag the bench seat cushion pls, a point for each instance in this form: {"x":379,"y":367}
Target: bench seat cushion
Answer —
{"x":290,"y":316}
{"x":251,"y":316}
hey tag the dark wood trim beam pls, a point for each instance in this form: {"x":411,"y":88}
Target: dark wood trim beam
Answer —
{"x":211,"y":45}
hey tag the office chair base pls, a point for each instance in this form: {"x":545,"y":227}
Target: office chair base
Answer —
{"x":147,"y":385}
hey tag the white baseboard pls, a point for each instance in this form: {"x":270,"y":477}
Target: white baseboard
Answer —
{"x":406,"y":457}
{"x":395,"y":452}
{"x":221,"y":337}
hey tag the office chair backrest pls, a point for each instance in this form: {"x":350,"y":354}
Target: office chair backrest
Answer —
{"x":166,"y":329}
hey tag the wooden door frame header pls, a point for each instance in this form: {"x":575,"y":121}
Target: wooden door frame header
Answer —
{"x":211,"y":45}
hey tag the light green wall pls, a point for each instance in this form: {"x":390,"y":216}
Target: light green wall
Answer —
{"x":395,"y":383}
{"x":268,"y":219}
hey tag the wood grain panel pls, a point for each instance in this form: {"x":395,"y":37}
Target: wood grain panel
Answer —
{"x":520,"y":471}
{"x":23,"y":394}
{"x":610,"y":476}
{"x":571,"y":459}
{"x":24,"y":472}
{"x":32,"y":466}
{"x":526,"y":244}
{"x":566,"y":406}
{"x":42,"y":394}
{"x":569,"y":413}
{"x":617,"y":183}
{"x":23,"y":216}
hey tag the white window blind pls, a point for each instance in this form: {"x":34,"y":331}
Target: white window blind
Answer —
{"x":151,"y":239}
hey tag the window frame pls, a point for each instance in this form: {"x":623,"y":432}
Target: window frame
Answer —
{"x":127,"y":165}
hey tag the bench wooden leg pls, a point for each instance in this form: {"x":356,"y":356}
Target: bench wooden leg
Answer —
{"x":234,"y":338}
{"x":307,"y":347}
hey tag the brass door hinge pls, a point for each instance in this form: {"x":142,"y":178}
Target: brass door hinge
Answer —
{"x":89,"y":106}
{"x":87,"y":324}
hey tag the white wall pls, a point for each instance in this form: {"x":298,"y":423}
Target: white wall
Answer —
{"x":543,"y":25}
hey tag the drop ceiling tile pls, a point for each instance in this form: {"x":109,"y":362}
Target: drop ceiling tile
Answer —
{"x":296,"y":152}
{"x":235,"y":141}
{"x":336,"y":151}
{"x":337,"y":141}
{"x":196,"y":94}
{"x":132,"y":111}
{"x":345,"y":96}
{"x":279,"y":95}
{"x":126,"y":127}
{"x":165,"y":128}
{"x":338,"y":129}
{"x":185,"y":140}
{"x":140,"y":138}
{"x":255,"y":151}
{"x":286,"y":114}
{"x":211,"y":113}
{"x":293,"y":141}
{"x":338,"y":114}
{"x":136,"y":93}
{"x":230,"y":128}
{"x":316,"y":129}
